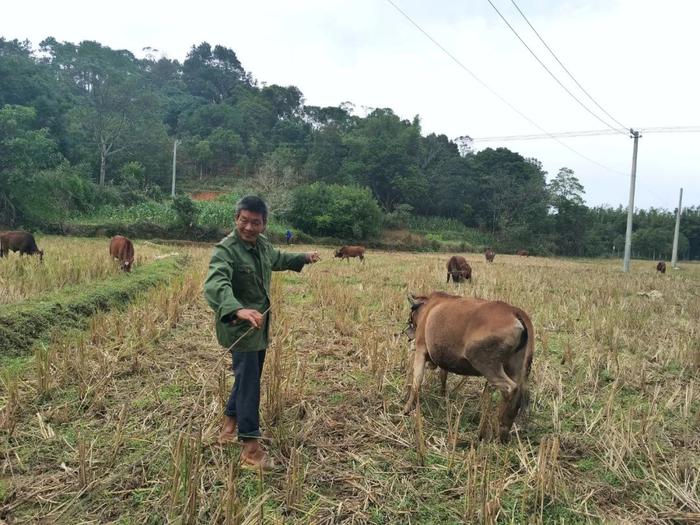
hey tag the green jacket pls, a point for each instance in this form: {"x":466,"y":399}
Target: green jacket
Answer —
{"x":239,"y":277}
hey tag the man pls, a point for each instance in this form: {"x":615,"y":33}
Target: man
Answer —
{"x":238,"y":290}
{"x":288,"y":235}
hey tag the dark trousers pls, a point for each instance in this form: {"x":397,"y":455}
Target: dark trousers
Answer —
{"x":244,"y":401}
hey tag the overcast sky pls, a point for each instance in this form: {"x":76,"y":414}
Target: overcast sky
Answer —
{"x":637,"y":58}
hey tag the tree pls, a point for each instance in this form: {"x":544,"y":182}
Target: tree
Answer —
{"x":113,"y":99}
{"x":382,"y":155}
{"x":565,"y":187}
{"x":348,"y":212}
{"x":214,"y":74}
{"x":24,"y":151}
{"x":509,"y":193}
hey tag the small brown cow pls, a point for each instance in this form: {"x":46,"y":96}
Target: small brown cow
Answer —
{"x":19,"y":241}
{"x":345,"y":252}
{"x":459,"y":269}
{"x":489,"y":254}
{"x":523,"y":253}
{"x":122,"y":249}
{"x":473,"y":337}
{"x":661,"y":267}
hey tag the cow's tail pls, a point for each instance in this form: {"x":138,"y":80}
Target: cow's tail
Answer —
{"x":526,"y":345}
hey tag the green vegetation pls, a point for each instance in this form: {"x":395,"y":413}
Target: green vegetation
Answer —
{"x":347,"y":212}
{"x":86,"y":136}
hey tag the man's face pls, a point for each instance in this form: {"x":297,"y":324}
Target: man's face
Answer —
{"x":249,"y":225}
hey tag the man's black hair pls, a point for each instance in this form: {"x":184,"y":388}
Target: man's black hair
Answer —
{"x":254,"y":204}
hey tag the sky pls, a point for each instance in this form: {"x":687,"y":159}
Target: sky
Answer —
{"x":636,"y":58}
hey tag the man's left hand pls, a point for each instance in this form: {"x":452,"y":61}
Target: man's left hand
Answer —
{"x":312,"y":257}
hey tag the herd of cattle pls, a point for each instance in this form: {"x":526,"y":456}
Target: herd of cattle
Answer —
{"x":463,"y":335}
{"x":120,"y":247}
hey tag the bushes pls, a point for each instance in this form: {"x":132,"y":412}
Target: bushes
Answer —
{"x":347,"y":212}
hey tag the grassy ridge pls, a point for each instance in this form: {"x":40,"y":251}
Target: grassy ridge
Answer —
{"x":23,"y":323}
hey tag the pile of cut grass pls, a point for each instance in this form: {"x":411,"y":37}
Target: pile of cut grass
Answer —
{"x":24,"y":323}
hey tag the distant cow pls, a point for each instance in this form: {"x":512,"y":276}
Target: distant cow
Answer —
{"x":121,"y":248}
{"x":489,"y":254}
{"x":459,"y":269}
{"x":523,"y":253}
{"x":473,"y":337}
{"x":22,"y":242}
{"x":345,"y":252}
{"x":661,"y":267}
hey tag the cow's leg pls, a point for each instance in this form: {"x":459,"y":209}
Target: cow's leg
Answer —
{"x":419,"y":362}
{"x":496,"y":376}
{"x":448,"y":277}
{"x":443,"y":382}
{"x":362,"y":259}
{"x":507,"y":413}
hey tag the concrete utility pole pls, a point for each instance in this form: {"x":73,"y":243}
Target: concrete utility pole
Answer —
{"x":674,"y":256}
{"x":172,"y":191}
{"x":630,"y":207}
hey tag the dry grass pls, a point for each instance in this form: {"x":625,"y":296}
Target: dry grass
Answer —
{"x":116,"y":425}
{"x":67,"y":261}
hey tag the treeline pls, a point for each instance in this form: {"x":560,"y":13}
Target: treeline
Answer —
{"x":82,"y":125}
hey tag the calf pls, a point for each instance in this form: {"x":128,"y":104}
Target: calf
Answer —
{"x":473,"y":337}
{"x":459,"y":269}
{"x":523,"y":253}
{"x":345,"y":252}
{"x":19,"y":241}
{"x":661,"y":267}
{"x":122,"y":249}
{"x":489,"y":254}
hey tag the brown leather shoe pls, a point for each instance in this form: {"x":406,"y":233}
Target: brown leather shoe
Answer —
{"x":228,"y":431}
{"x":254,"y":457}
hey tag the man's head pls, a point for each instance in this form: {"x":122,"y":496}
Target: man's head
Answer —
{"x":251,"y":217}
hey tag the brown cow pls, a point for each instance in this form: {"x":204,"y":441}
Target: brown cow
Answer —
{"x":523,"y":253}
{"x":489,"y":254}
{"x":345,"y":252}
{"x":122,"y":249}
{"x":19,"y":241}
{"x":473,"y":337}
{"x":661,"y":267}
{"x":459,"y":269}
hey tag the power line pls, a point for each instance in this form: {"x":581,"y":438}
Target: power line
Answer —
{"x":494,"y":93}
{"x":589,"y":133}
{"x":617,"y":130}
{"x":565,"y":69}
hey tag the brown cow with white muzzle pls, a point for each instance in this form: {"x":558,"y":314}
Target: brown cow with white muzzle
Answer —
{"x":489,"y":254}
{"x":19,"y":241}
{"x":661,"y":267}
{"x":122,"y":249}
{"x":345,"y":252}
{"x":458,"y":268}
{"x":473,"y":337}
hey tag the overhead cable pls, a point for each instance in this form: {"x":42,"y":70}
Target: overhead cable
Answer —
{"x":565,"y":68}
{"x":589,"y":133}
{"x":494,"y":93}
{"x":622,"y":131}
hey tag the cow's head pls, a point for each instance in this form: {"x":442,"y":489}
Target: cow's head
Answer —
{"x":339,"y":253}
{"x":416,"y":302}
{"x":126,"y":265}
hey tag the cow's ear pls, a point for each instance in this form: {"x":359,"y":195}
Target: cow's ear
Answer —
{"x":415,"y":300}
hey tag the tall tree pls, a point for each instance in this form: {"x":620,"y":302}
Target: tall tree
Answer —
{"x":113,"y":98}
{"x":214,"y":74}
